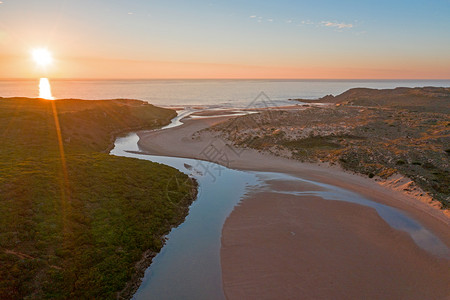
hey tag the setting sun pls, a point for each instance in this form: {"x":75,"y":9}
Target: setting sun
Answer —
{"x":42,"y":57}
{"x":224,"y":149}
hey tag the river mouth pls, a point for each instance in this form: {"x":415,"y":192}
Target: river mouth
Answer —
{"x":189,"y":266}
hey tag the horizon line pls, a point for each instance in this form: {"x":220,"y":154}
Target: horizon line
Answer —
{"x":262,"y":79}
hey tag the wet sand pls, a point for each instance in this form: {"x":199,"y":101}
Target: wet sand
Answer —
{"x":277,"y":246}
{"x":338,"y":250}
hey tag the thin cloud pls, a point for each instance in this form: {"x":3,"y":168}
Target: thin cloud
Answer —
{"x":308,"y":22}
{"x":339,"y":26}
{"x":261,"y":19}
{"x":336,"y":25}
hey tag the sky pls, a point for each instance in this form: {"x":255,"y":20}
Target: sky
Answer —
{"x":320,"y":39}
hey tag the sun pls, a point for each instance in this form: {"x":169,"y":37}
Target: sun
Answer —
{"x":42,"y":56}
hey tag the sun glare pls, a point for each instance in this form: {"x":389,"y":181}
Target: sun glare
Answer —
{"x":45,"y":91}
{"x":42,"y":57}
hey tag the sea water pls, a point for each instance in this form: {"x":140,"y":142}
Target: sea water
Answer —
{"x":205,"y":93}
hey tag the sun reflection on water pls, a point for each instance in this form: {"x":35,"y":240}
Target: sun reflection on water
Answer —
{"x":45,"y":91}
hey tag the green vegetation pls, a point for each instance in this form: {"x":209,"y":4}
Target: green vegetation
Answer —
{"x":75,"y":226}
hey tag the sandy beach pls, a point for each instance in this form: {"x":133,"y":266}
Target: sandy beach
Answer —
{"x":275,"y":247}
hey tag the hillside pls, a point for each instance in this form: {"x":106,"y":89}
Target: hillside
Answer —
{"x":377,"y":141}
{"x":430,"y":99}
{"x":75,"y":223}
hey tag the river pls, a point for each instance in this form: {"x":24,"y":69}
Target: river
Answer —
{"x":188,"y":266}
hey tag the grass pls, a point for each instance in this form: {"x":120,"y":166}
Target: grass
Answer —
{"x":78,"y":231}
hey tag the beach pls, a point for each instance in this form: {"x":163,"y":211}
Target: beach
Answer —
{"x":282,"y":247}
{"x":273,"y":246}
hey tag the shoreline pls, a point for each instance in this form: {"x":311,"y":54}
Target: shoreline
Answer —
{"x":180,"y":142}
{"x":245,"y":234}
{"x":282,"y":246}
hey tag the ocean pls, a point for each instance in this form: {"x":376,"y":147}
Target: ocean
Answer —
{"x":204,"y":93}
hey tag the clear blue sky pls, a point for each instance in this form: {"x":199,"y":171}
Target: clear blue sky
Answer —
{"x":388,"y":38}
